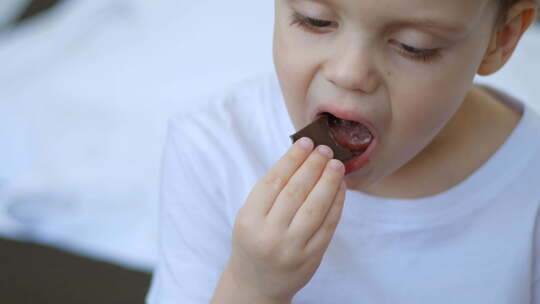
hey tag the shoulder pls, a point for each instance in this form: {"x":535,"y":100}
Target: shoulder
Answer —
{"x":226,"y":112}
{"x":518,"y":152}
{"x":232,"y":135}
{"x":521,"y":149}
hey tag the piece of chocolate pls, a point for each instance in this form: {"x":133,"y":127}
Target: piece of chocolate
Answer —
{"x":319,"y":131}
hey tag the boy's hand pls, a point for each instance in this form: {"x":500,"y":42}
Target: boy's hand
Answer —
{"x":285,"y":226}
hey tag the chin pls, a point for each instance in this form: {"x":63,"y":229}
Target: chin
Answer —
{"x":357,"y":181}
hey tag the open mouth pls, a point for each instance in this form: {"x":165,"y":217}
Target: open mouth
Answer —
{"x":353,"y":142}
{"x":352,"y":135}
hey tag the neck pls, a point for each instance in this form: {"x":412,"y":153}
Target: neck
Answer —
{"x":470,"y":138}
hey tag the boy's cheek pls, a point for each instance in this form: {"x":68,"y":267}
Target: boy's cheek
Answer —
{"x":291,"y":68}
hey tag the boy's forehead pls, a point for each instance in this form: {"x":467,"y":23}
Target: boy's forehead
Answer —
{"x":411,"y":4}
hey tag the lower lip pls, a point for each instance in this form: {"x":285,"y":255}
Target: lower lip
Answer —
{"x":360,"y":161}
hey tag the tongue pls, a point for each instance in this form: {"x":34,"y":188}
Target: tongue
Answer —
{"x":350,"y":134}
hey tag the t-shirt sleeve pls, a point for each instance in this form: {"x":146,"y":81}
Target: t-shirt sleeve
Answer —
{"x":535,"y":293}
{"x":535,"y":285}
{"x":195,"y":233}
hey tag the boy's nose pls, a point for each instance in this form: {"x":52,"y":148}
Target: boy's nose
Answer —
{"x":352,"y":69}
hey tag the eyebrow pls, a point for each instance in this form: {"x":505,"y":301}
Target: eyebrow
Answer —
{"x":319,"y":1}
{"x":428,"y":23}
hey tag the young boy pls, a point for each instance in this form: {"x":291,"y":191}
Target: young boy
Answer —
{"x":442,"y":204}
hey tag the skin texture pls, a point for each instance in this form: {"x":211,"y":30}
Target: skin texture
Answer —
{"x":427,"y":115}
{"x":284,"y":228}
{"x":357,"y":64}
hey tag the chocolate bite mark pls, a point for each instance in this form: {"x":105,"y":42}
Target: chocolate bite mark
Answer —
{"x":319,"y":131}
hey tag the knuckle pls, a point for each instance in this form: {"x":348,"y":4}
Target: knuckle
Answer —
{"x":315,"y":162}
{"x":332,"y":177}
{"x":294,"y":191}
{"x":308,"y":211}
{"x":244,"y":226}
{"x":331,"y":226}
{"x":273,"y":181}
{"x":295,"y":156}
{"x":332,"y":173}
{"x":273,"y":248}
{"x":243,"y":222}
{"x":285,"y":256}
{"x":312,"y":211}
{"x":339,"y":202}
{"x":288,"y":260}
{"x":266,"y":247}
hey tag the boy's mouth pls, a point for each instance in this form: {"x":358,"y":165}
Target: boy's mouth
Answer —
{"x":353,"y":141}
{"x":350,"y":134}
{"x":354,"y":134}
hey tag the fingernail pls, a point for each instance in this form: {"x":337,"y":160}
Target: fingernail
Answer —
{"x":326,"y":151}
{"x":336,"y":164}
{"x":305,"y":143}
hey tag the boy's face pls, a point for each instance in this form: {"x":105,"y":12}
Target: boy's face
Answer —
{"x":403,"y":65}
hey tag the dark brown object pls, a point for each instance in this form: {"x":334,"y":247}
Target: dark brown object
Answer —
{"x":36,"y":274}
{"x":36,"y":7}
{"x":319,"y":131}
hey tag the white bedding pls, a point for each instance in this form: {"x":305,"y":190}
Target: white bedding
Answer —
{"x":85,"y":92}
{"x":84,"y":98}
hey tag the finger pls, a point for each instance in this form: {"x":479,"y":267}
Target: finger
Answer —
{"x":321,"y":239}
{"x":265,"y":192}
{"x":299,"y":186}
{"x":313,"y":212}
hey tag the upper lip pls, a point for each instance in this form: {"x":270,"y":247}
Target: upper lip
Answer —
{"x":343,"y":113}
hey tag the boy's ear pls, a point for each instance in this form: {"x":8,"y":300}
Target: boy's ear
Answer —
{"x":505,"y":40}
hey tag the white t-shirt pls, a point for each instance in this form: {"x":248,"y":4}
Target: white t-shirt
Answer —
{"x":474,"y":243}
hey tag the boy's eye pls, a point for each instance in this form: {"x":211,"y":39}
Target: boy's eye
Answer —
{"x":309,"y":23}
{"x":417,"y":54}
{"x":424,"y":55}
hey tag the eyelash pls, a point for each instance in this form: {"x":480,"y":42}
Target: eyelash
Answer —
{"x":422,"y":55}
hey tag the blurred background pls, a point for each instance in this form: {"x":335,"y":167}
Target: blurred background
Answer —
{"x":86,"y":87}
